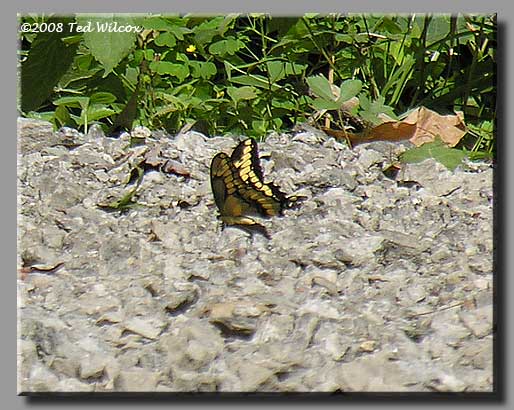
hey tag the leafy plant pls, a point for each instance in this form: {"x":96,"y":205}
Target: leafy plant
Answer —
{"x":254,"y":73}
{"x":451,"y":158}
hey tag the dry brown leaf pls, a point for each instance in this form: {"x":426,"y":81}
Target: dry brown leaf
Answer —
{"x":420,"y":127}
{"x":388,"y":131}
{"x":392,"y":131}
{"x":431,"y":125}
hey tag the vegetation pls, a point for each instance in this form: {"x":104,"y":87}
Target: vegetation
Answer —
{"x":250,"y":74}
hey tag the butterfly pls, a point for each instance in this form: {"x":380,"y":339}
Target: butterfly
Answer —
{"x":239,"y":189}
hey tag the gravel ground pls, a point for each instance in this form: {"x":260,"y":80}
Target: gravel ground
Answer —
{"x":372,"y":285}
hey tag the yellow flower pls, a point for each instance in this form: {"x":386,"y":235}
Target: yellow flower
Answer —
{"x":191,"y":48}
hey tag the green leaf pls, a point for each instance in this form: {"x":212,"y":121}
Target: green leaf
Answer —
{"x":62,"y":116}
{"x":166,"y":40}
{"x":108,"y":46}
{"x":260,"y":127}
{"x":277,"y":122}
{"x":279,"y":69}
{"x":181,"y":71}
{"x":202,"y":69}
{"x":156,"y":23}
{"x":224,"y":47}
{"x":76,"y":75}
{"x":283,"y":104}
{"x":132,"y":74}
{"x":255,"y":80}
{"x":370,"y":110}
{"x":438,"y":28}
{"x":451,"y":158}
{"x":169,"y":24}
{"x":102,"y":98}
{"x":179,"y":31}
{"x":83,"y":62}
{"x":276,"y":70}
{"x":320,"y":86}
{"x":352,"y":38}
{"x":322,"y":104}
{"x":182,"y":57}
{"x":242,"y":93}
{"x":295,"y":68}
{"x":45,"y":116}
{"x":391,"y":26}
{"x":205,"y":31}
{"x":73,"y":102}
{"x":98,"y":111}
{"x":349,"y":89}
{"x":48,"y":60}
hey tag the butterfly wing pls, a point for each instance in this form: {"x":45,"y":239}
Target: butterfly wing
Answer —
{"x":245,"y":159}
{"x":232,"y":197}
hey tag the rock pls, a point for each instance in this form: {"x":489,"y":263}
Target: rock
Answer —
{"x":448,"y":383}
{"x":368,"y":346}
{"x":479,"y":321}
{"x":137,"y":380}
{"x":66,"y":366}
{"x":368,"y":158}
{"x":236,"y":318}
{"x":149,"y":328}
{"x":92,"y":367}
{"x":41,"y":380}
{"x":193,"y":346}
{"x":374,"y":373}
{"x":336,"y":346}
{"x":252,"y":376}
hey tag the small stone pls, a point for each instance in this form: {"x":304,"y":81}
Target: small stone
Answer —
{"x":331,"y":287}
{"x":252,"y":376}
{"x":478,"y":321}
{"x":368,"y":346}
{"x":42,"y":380}
{"x":137,"y":380}
{"x":65,"y":366}
{"x":336,"y":347}
{"x":111,"y":317}
{"x":471,"y":251}
{"x":368,"y":158}
{"x":27,"y":352}
{"x":448,"y":383}
{"x":482,"y":284}
{"x":236,"y":318}
{"x":416,"y":293}
{"x":441,"y":254}
{"x":92,"y":367}
{"x":148,"y":328}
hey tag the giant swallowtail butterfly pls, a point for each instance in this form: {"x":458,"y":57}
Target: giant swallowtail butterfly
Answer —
{"x":239,"y":189}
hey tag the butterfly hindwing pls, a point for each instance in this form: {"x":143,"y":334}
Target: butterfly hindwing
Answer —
{"x":229,"y":194}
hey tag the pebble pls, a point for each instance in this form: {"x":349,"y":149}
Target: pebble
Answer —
{"x":137,"y":380}
{"x":148,"y":328}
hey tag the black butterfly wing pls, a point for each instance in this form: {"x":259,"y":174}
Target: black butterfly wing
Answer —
{"x":245,"y":159}
{"x":232,"y":197}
